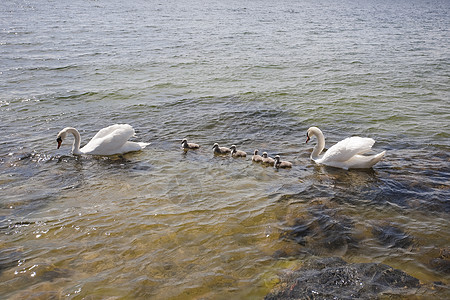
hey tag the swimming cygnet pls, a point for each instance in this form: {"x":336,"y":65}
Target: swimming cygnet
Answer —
{"x":237,"y":153}
{"x":256,"y":157}
{"x":281,"y":163}
{"x":186,"y":145}
{"x":221,"y":150}
{"x":267,"y":160}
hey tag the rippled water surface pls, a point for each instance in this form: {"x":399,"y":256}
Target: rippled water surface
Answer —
{"x":165,"y":224}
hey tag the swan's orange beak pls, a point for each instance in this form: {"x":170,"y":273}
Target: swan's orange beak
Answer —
{"x":59,"y":140}
{"x":307,"y":138}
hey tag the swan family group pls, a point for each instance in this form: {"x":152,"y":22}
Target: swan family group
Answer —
{"x":347,"y":154}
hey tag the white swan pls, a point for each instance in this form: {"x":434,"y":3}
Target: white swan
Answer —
{"x":108,"y":141}
{"x":346,"y":154}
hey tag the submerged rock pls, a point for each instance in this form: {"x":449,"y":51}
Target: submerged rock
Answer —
{"x":391,"y":236}
{"x":442,"y":263}
{"x":333,"y":278}
{"x":320,"y":230}
{"x":9,"y":258}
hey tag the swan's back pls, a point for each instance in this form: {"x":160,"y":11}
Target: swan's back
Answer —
{"x":348,"y":148}
{"x":113,"y":140}
{"x":124,"y":130}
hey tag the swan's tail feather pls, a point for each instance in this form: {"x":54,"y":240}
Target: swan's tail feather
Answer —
{"x":376,"y":158}
{"x":143,"y":145}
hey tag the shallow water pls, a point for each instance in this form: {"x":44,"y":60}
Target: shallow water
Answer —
{"x":162,"y":223}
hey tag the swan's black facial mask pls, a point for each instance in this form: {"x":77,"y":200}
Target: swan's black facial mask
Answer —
{"x":307,"y":138}
{"x":59,"y":140}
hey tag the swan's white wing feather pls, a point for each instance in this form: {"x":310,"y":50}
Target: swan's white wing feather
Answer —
{"x":132,"y":146}
{"x":347,"y":148}
{"x":110,"y":129}
{"x":109,"y":140}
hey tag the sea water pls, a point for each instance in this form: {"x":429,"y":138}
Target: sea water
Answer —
{"x":165,"y":224}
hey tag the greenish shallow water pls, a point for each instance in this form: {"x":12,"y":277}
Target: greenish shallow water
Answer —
{"x":166,"y":224}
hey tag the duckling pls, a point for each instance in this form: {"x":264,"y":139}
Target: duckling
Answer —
{"x":187,"y":146}
{"x":256,"y":158}
{"x":237,"y":153}
{"x":281,"y":163}
{"x":221,"y":150}
{"x":267,"y":160}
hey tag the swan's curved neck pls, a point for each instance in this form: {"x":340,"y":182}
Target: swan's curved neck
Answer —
{"x":76,"y":142}
{"x":320,"y":144}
